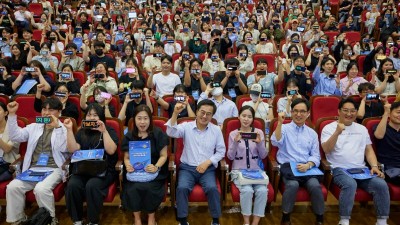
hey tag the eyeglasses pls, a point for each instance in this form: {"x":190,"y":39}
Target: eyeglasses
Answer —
{"x":347,"y":111}
{"x":202,"y":113}
{"x":301,"y":112}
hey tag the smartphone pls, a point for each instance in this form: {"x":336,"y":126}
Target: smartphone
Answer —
{"x":296,"y":41}
{"x":319,"y":50}
{"x":179,"y":98}
{"x":132,"y":15}
{"x":242,"y":54}
{"x":7,"y":54}
{"x":301,"y":68}
{"x":170,"y":41}
{"x":263,"y":39}
{"x":229,"y":29}
{"x":392,"y":71}
{"x":69,"y":52}
{"x":44,"y":52}
{"x":300,"y":29}
{"x":195,"y":71}
{"x":232,"y":68}
{"x":216,"y":84}
{"x":89,"y":124}
{"x":355,"y":171}
{"x":105,"y":95}
{"x":120,"y":28}
{"x":185,"y":30}
{"x":196,"y":39}
{"x":54,"y":28}
{"x":78,"y":29}
{"x":265,"y":95}
{"x":365,"y":40}
{"x":43,"y":119}
{"x":292,"y":92}
{"x":29,"y":69}
{"x":186,"y":56}
{"x":135,"y":95}
{"x":390,"y":44}
{"x":315,"y":27}
{"x":158,"y":55}
{"x":261,"y":72}
{"x":4,"y":13}
{"x":248,"y":135}
{"x":60,"y":94}
{"x":214,"y":57}
{"x":332,"y":76}
{"x":372,"y":97}
{"x":65,"y":76}
{"x":130,"y":70}
{"x":98,"y":76}
{"x":216,"y":39}
{"x":37,"y":174}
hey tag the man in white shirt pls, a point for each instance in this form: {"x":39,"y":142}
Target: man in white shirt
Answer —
{"x":346,"y":145}
{"x":152,"y":62}
{"x":22,"y":16}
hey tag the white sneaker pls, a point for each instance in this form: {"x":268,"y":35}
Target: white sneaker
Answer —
{"x":20,"y":221}
{"x":78,"y":223}
{"x":180,"y":223}
{"x":54,"y":221}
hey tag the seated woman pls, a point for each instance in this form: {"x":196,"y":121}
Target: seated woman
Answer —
{"x":261,"y":76}
{"x":195,"y":44}
{"x":8,"y":149}
{"x":179,"y":91}
{"x":256,"y":151}
{"x":291,"y":92}
{"x":145,"y":196}
{"x":93,"y":189}
{"x":18,"y":57}
{"x":48,"y":61}
{"x":40,"y":76}
{"x":245,"y":61}
{"x":61,"y":92}
{"x":386,"y":83}
{"x":67,"y":77}
{"x":128,"y":52}
{"x":57,"y":46}
{"x":325,"y":82}
{"x":182,"y":62}
{"x":213,"y":62}
{"x":266,"y":45}
{"x":100,"y":76}
{"x":100,"y":98}
{"x":133,"y":73}
{"x":133,"y":99}
{"x":350,"y":83}
{"x":6,"y":79}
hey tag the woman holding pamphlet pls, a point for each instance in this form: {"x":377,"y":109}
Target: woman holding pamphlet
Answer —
{"x":145,"y":156}
{"x":252,"y":139}
{"x":95,"y":140}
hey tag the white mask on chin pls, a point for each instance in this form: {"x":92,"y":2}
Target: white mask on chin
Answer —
{"x":217,"y":91}
{"x":254,"y":98}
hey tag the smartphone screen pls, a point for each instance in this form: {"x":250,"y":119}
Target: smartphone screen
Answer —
{"x":249,"y":135}
{"x":266,"y":95}
{"x":135,"y":95}
{"x":372,"y":97}
{"x":43,"y":119}
{"x":89,"y":124}
{"x":105,"y":95}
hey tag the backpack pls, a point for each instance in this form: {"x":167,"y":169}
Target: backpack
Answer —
{"x":41,"y":217}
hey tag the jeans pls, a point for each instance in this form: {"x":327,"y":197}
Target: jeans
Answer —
{"x":188,"y":177}
{"x":246,"y":198}
{"x":314,"y":189}
{"x":348,"y":186}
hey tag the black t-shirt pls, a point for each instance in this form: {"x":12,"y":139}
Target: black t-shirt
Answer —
{"x":184,"y":112}
{"x":73,"y":86}
{"x":91,"y":140}
{"x":232,"y":83}
{"x":344,"y":4}
{"x":357,"y":11}
{"x":128,"y":80}
{"x":94,"y":59}
{"x":32,"y":43}
{"x":17,"y":64}
{"x":70,"y":109}
{"x":195,"y":85}
{"x":388,"y":148}
{"x":301,"y":81}
{"x":130,"y":109}
{"x":376,"y":109}
{"x":5,"y":85}
{"x":158,"y":140}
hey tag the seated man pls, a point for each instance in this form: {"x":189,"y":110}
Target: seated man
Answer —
{"x":226,"y":108}
{"x":346,"y":145}
{"x":93,"y":60}
{"x":152,"y":63}
{"x":22,"y":16}
{"x":286,"y":137}
{"x":388,"y":142}
{"x":199,"y":159}
{"x":232,"y":81}
{"x":369,"y":108}
{"x":47,"y":145}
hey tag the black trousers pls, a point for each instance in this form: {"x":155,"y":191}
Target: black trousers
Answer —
{"x":93,"y":189}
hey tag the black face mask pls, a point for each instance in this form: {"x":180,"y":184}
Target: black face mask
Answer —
{"x":99,"y":52}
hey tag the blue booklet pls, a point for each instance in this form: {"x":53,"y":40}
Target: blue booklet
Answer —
{"x":81,"y":155}
{"x":26,"y":87}
{"x":311,"y":172}
{"x":33,"y":176}
{"x":365,"y":174}
{"x":139,"y":154}
{"x":78,"y":42}
{"x":252,"y":174}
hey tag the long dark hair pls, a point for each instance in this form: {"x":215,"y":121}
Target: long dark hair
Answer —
{"x":137,"y":110}
{"x":250,"y":108}
{"x":91,"y":137}
{"x":4,"y":107}
{"x":380,"y":74}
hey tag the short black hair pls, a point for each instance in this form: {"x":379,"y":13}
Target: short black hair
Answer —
{"x":71,"y":45}
{"x":209,"y":103}
{"x":215,"y":32}
{"x":137,"y":84}
{"x":347,"y":100}
{"x":232,"y":62}
{"x":158,"y":44}
{"x":394,"y":105}
{"x":299,"y":101}
{"x":365,"y":86}
{"x":52,"y":103}
{"x":168,"y":57}
{"x":99,"y":44}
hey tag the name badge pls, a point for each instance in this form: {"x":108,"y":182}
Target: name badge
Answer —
{"x":232,"y":92}
{"x":43,"y":159}
{"x":181,"y":73}
{"x":195,"y":94}
{"x":2,"y":85}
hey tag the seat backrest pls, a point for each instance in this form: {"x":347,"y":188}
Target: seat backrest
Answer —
{"x":4,"y":99}
{"x":74,"y":125}
{"x":36,"y":9}
{"x":233,"y":123}
{"x":81,"y":76}
{"x":75,"y":99}
{"x":270,"y":58}
{"x":320,"y":126}
{"x":115,"y":102}
{"x":117,"y":125}
{"x":169,"y":99}
{"x":370,"y":123}
{"x":26,"y":108}
{"x":360,"y":63}
{"x":22,"y":122}
{"x":323,"y":106}
{"x":240,"y":99}
{"x":391,"y":98}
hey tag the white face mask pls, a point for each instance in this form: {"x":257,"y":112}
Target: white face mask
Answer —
{"x":217,"y":91}
{"x":253,"y":97}
{"x":99,"y":99}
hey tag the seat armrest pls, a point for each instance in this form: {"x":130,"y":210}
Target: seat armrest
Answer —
{"x":326,"y":166}
{"x":16,"y":164}
{"x":171,"y":163}
{"x":65,"y":165}
{"x":224,"y":165}
{"x":119,"y":166}
{"x":273,"y":163}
